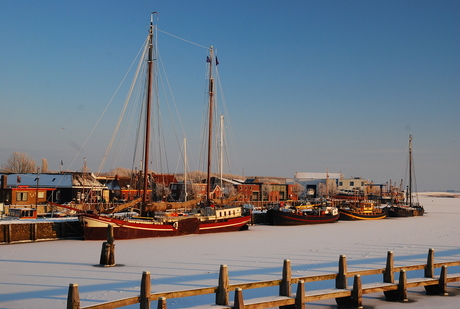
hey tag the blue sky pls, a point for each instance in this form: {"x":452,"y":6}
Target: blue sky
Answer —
{"x":309,"y":85}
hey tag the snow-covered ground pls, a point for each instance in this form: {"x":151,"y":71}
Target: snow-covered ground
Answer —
{"x":37,"y":275}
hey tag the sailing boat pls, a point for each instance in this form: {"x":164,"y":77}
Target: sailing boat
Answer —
{"x":409,"y":208}
{"x":205,"y":218}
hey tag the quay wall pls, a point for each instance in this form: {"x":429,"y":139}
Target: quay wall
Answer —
{"x":16,"y":231}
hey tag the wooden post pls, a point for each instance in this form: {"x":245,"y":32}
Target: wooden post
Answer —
{"x":285,"y":285}
{"x":389,"y":277}
{"x":341,"y":279}
{"x":402,"y":286}
{"x":73,"y":297}
{"x":145,"y":291}
{"x":341,"y":282}
{"x":8,"y":233}
{"x":357,"y":293}
{"x":429,"y":269}
{"x":239,"y":302}
{"x":429,"y":273}
{"x":162,"y":303}
{"x":108,"y":249}
{"x":300,"y":295}
{"x":33,"y":231}
{"x":443,"y":281}
{"x":222,"y":289}
{"x":110,"y":237}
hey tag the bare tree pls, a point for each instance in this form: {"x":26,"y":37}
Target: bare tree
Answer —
{"x":196,"y":176}
{"x":327,"y":190}
{"x":19,"y":163}
{"x":120,"y":171}
{"x":193,"y":191}
{"x":162,"y":191}
{"x":322,"y":189}
{"x":266,"y":189}
{"x":297,"y":189}
{"x":44,"y":165}
{"x":229,"y":190}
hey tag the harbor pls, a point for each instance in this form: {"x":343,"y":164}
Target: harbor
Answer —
{"x":38,"y":274}
{"x":232,"y":155}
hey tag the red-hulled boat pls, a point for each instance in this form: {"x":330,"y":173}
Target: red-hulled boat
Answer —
{"x":206,"y":218}
{"x":224,"y":220}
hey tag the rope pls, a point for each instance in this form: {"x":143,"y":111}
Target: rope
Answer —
{"x":175,"y":36}
{"x":124,"y":106}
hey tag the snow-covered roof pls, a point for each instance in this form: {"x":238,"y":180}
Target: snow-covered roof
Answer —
{"x":302,"y":175}
{"x":44,"y":180}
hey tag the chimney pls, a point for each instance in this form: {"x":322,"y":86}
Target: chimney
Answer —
{"x":4,"y":181}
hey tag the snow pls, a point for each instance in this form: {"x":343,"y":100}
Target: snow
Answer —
{"x":37,"y":275}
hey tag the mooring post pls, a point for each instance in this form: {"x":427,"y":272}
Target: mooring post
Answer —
{"x":429,"y":268}
{"x":222,"y":289}
{"x":73,"y":297}
{"x":389,"y":275}
{"x":341,"y":282}
{"x":8,"y":233}
{"x":162,"y":303}
{"x":402,"y":286}
{"x":145,"y":291}
{"x":443,"y":281}
{"x":33,"y":231}
{"x":108,"y":249}
{"x":357,"y":293}
{"x":285,"y":285}
{"x":300,"y":295}
{"x":239,"y":302}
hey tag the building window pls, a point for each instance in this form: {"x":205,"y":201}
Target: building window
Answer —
{"x":41,"y":194}
{"x":340,"y":184}
{"x":21,"y":196}
{"x":352,"y":183}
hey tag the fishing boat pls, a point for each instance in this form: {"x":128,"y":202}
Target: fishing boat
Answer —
{"x":205,"y":217}
{"x":361,"y":210}
{"x":313,"y":214}
{"x":408,"y":208}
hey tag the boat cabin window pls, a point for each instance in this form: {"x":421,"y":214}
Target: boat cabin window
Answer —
{"x":21,"y":196}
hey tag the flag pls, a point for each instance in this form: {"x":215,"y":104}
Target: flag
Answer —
{"x":217,"y":61}
{"x":18,"y":179}
{"x":207,"y":59}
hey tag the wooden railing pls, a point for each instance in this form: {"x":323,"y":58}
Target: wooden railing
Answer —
{"x":344,"y":296}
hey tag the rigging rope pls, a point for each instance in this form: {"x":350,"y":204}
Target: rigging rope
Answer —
{"x":174,"y":36}
{"x":144,"y":50}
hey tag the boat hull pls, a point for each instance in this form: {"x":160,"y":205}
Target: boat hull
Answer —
{"x":348,"y":214}
{"x":276,"y":217}
{"x":405,"y":211}
{"x":95,"y":227}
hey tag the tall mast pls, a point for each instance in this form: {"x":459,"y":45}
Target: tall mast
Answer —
{"x":221,"y":157}
{"x":147,"y":111}
{"x":211,"y":110}
{"x":185,"y":169}
{"x":410,"y":170}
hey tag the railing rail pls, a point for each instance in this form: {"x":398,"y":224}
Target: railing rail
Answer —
{"x":341,"y":292}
